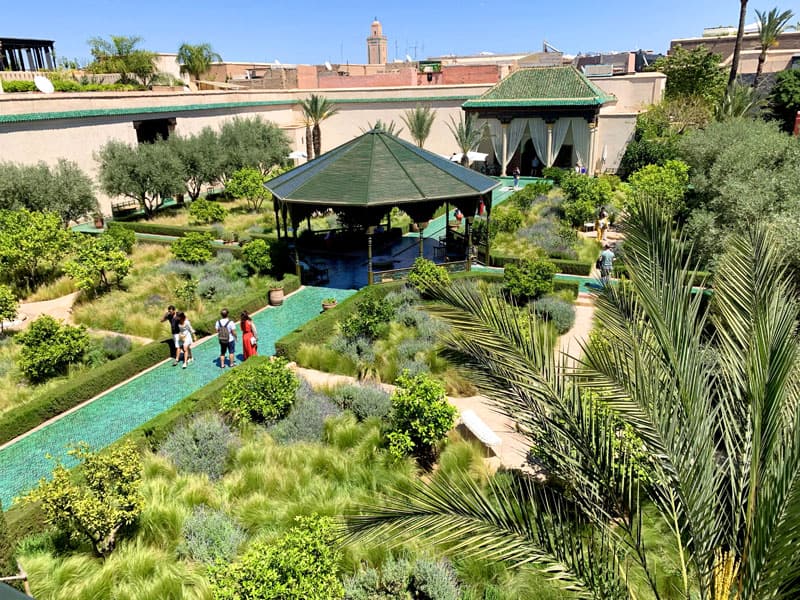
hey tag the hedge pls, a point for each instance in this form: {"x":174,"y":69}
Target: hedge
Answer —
{"x":79,"y":389}
{"x":698,"y":278}
{"x":570,"y":286}
{"x":156,"y":229}
{"x":568,"y":267}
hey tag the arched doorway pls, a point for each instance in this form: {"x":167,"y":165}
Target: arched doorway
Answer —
{"x":528,"y":154}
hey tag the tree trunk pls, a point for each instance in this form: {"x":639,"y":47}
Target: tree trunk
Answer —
{"x":309,"y":144}
{"x":762,"y":58}
{"x":465,"y":160}
{"x":317,"y":137}
{"x":737,"y":48}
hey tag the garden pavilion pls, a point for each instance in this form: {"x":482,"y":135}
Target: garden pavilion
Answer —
{"x":363,"y":179}
{"x":547,"y":112}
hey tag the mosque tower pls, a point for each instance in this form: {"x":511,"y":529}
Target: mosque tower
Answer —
{"x":376,"y":44}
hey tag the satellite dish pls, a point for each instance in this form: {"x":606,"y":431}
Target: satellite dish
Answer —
{"x":328,"y":66}
{"x":408,"y":58}
{"x":43,"y":84}
{"x":277,"y":62}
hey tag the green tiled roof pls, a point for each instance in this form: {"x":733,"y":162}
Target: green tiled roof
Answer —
{"x":542,"y":86}
{"x":377,"y":168}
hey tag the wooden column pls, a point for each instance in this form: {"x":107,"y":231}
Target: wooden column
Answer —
{"x":277,"y":217}
{"x":505,"y":149}
{"x":468,"y":236}
{"x":370,"y":276}
{"x":297,"y":269}
{"x":592,"y":142}
{"x":550,"y":157}
{"x":421,"y":241}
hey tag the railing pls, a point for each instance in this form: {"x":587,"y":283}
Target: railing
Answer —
{"x":457,"y":266}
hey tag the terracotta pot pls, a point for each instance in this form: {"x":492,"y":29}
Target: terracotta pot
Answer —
{"x":328,"y":305}
{"x":276,"y":296}
{"x":99,"y":223}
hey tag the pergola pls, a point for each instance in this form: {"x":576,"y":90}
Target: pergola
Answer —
{"x":368,"y":176}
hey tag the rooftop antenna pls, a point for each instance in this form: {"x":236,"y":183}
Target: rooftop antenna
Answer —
{"x":549,"y":47}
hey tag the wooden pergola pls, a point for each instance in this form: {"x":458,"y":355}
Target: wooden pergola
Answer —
{"x":368,"y":176}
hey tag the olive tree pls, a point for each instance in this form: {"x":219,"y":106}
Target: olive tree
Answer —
{"x":252,"y":143}
{"x":8,"y":305}
{"x":201,"y":157}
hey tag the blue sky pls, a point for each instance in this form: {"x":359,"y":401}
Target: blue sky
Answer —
{"x":313,"y":32}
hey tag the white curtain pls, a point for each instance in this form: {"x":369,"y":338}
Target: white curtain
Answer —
{"x":495,"y":135}
{"x":539,"y":136}
{"x":559,"y":134}
{"x":515,"y":132}
{"x":580,"y":141}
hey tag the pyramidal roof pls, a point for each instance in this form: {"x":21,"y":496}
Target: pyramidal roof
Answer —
{"x":374,"y":169}
{"x":542,"y":86}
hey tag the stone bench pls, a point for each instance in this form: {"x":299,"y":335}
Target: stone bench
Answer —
{"x":473,"y":424}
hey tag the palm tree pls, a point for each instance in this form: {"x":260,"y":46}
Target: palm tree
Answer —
{"x":196,"y":60}
{"x":309,"y":142}
{"x":419,"y":121}
{"x":316,"y":109}
{"x":737,"y":48}
{"x":739,"y":101}
{"x":389,"y":127}
{"x":467,"y":135}
{"x":770,"y":26}
{"x":684,"y":409}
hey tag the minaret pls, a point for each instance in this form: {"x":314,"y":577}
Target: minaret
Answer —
{"x":376,"y":44}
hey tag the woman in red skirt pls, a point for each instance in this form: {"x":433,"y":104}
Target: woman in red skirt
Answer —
{"x":249,"y":339}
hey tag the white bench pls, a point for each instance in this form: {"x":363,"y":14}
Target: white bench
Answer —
{"x":481,"y":431}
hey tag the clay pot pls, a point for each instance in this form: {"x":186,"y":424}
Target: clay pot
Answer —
{"x":276,"y":296}
{"x":328,"y":305}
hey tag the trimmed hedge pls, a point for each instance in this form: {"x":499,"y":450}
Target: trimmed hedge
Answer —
{"x":79,"y":389}
{"x":156,"y":229}
{"x":570,"y":286}
{"x":568,"y":267}
{"x":698,"y":278}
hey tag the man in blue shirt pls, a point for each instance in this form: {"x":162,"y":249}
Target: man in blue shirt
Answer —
{"x":606,"y":263}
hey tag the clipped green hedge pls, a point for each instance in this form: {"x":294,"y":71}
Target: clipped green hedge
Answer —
{"x":568,"y":267}
{"x":156,"y":229}
{"x":570,"y":286}
{"x":79,"y":389}
{"x":18,"y":86}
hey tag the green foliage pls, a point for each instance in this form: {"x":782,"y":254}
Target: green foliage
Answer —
{"x":316,"y":108}
{"x":147,"y":173}
{"x":120,"y":54}
{"x":257,"y":255}
{"x":302,"y":564}
{"x":529,"y":279}
{"x":640,"y":153}
{"x":585,"y":195}
{"x":369,"y":320}
{"x":784,"y":99}
{"x":96,"y":258}
{"x":248,"y":183}
{"x":186,"y":291}
{"x":105,"y":500}
{"x":210,"y":536}
{"x":666,"y":185}
{"x":201,"y":445}
{"x":252,"y":143}
{"x":205,"y":212}
{"x":554,"y":173}
{"x":366,"y":401}
{"x":201,"y":156}
{"x":115,"y":346}
{"x":158,"y":229}
{"x":196,"y":59}
{"x":48,"y":348}
{"x":124,"y":238}
{"x":419,"y":121}
{"x":261,"y":394}
{"x":434,"y":580}
{"x":193,"y":248}
{"x":426,"y":275}
{"x":505,"y":219}
{"x":6,"y":546}
{"x":556,"y":311}
{"x":467,"y":134}
{"x":695,"y":72}
{"x":421,"y":416}
{"x":8,"y":305}
{"x":306,"y":421}
{"x":32,"y":244}
{"x":78,"y":389}
{"x":523,"y":199}
{"x":18,"y":86}
{"x":388,"y":583}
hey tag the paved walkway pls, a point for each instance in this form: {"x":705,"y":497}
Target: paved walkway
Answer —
{"x":106,"y":418}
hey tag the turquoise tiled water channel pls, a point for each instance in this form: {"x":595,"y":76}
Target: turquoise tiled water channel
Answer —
{"x":120,"y":411}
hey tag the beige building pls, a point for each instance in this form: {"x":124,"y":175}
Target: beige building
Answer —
{"x":376,"y":45}
{"x":36,"y":127}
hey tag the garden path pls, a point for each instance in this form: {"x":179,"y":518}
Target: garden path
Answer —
{"x":116,"y":412}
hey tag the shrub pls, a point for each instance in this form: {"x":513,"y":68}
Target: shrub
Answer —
{"x":555,"y":173}
{"x":263,"y":394}
{"x":572,"y":267}
{"x":426,"y":275}
{"x":302,"y":564}
{"x":584,"y":196}
{"x":371,"y":584}
{"x":405,"y":296}
{"x":524,"y":198}
{"x":205,"y":212}
{"x":557,"y":311}
{"x":8,"y":305}
{"x":529,"y":279}
{"x":123,"y":237}
{"x":193,"y":248}
{"x":371,"y":318}
{"x":186,"y":292}
{"x":210,"y":536}
{"x":157,"y":229}
{"x":115,"y":346}
{"x":18,"y":86}
{"x":434,"y":580}
{"x":200,"y":446}
{"x":306,"y":421}
{"x":49,"y":347}
{"x":505,"y":220}
{"x":364,"y":400}
{"x":257,"y":257}
{"x":421,"y":416}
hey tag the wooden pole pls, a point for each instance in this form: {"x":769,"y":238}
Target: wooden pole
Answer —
{"x":297,"y":270}
{"x":421,"y":240}
{"x":369,"y":260}
{"x":277,"y":218}
{"x":468,"y":233}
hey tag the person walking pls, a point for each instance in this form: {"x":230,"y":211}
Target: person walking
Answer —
{"x":185,"y":337}
{"x":172,"y":316}
{"x":602,"y":224}
{"x":606,"y":264}
{"x":226,"y":335}
{"x":515,"y":173}
{"x":535,"y":166}
{"x":249,"y":335}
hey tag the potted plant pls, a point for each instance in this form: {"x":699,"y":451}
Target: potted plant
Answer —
{"x":328,"y":303}
{"x":99,"y":222}
{"x":276,"y":295}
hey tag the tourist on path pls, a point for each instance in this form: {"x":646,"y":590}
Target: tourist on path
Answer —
{"x":606,"y":264}
{"x":226,"y":335}
{"x":515,"y":173}
{"x":172,"y":316}
{"x":249,"y":336}
{"x":602,"y":224}
{"x":185,"y":337}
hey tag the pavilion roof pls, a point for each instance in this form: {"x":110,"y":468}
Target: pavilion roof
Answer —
{"x":542,"y":86}
{"x":375,"y":169}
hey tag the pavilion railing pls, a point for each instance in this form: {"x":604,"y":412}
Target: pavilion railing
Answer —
{"x":390,"y":275}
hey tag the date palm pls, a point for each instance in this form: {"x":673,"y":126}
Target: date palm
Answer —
{"x":737,"y":47}
{"x":738,"y":101}
{"x":467,"y":135}
{"x":770,"y":26}
{"x":419,"y":121}
{"x":316,"y":109}
{"x":196,"y":59}
{"x":707,"y":395}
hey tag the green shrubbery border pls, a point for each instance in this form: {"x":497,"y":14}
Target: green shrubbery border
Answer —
{"x":568,"y":267}
{"x":156,"y":229}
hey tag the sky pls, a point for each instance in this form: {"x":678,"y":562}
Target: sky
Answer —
{"x":312,"y":32}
